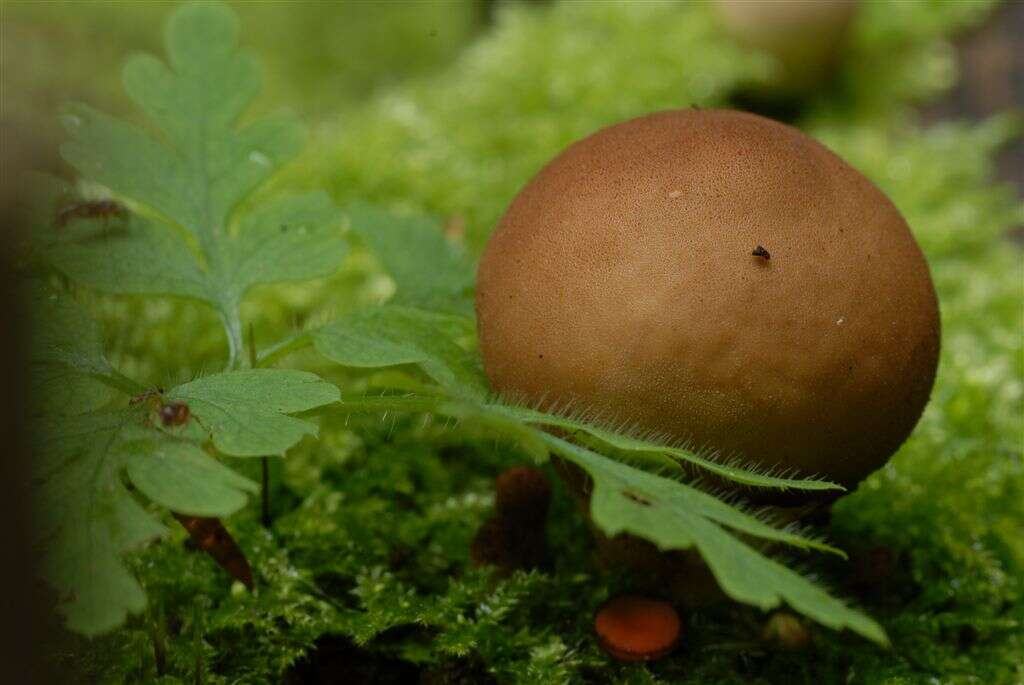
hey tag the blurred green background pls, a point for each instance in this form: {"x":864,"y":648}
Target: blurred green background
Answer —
{"x":448,"y":108}
{"x":316,"y":55}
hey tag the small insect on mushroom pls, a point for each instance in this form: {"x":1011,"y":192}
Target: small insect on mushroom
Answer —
{"x":759,"y":251}
{"x":633,"y":628}
{"x":96,"y":209}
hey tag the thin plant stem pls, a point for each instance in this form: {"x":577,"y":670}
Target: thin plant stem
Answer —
{"x":264,"y":460}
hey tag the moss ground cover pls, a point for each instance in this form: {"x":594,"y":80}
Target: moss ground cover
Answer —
{"x":366,"y":567}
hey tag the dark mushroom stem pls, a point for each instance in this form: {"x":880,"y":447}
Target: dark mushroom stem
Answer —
{"x":515,"y":537}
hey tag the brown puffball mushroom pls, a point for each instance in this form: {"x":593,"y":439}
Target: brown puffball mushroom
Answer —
{"x":625,"y":280}
{"x":806,"y":37}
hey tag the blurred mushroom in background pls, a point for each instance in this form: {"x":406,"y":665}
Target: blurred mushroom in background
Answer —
{"x":805,"y":37}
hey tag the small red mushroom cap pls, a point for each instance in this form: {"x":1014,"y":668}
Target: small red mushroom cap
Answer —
{"x":633,"y":628}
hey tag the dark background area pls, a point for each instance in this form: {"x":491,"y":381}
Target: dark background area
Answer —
{"x":991,"y":81}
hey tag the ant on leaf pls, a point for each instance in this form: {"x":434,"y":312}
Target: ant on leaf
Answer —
{"x":172,"y":414}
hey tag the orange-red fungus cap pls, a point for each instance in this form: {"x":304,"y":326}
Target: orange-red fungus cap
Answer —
{"x":633,"y":628}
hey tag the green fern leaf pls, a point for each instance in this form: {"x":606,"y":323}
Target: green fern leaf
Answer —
{"x":189,"y":179}
{"x":87,"y":519}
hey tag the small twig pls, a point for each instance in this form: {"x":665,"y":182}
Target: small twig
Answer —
{"x":264,"y":461}
{"x":210,"y":535}
{"x":265,"y":490}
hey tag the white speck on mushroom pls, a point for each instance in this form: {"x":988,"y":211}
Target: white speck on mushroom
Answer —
{"x":840,"y":320}
{"x":675,"y":193}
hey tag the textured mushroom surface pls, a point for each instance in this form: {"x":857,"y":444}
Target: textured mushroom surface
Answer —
{"x":624,"y":280}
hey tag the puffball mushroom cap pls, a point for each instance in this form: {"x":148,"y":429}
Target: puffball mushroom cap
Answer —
{"x":621,"y":283}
